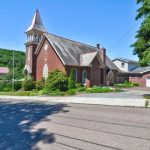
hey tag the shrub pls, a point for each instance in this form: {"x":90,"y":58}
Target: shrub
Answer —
{"x":71,"y":80}
{"x":99,"y":90}
{"x":28,"y":84}
{"x":56,"y":80}
{"x":78,"y":85}
{"x":17,"y":85}
{"x":71,"y":92}
{"x":5,"y":86}
{"x":81,"y":89}
{"x":40,"y":84}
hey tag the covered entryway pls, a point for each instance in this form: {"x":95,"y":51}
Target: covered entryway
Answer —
{"x":148,"y":82}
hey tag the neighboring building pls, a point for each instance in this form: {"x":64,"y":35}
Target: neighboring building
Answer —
{"x":141,"y":75}
{"x":46,"y":52}
{"x":125,"y":66}
{"x":130,"y":71}
{"x":4,"y":70}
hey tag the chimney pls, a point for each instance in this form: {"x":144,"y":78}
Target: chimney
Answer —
{"x":98,"y":46}
{"x":103,"y":53}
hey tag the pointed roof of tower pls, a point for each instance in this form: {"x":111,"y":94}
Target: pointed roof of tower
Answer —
{"x":37,"y":23}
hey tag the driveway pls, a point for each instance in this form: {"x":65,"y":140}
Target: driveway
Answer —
{"x":127,"y":94}
{"x":38,"y":125}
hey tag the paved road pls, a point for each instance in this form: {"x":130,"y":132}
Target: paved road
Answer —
{"x":26,"y":125}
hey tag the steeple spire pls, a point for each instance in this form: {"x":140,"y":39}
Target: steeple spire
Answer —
{"x":36,"y":23}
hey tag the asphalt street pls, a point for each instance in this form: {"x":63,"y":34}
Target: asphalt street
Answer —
{"x":38,"y":125}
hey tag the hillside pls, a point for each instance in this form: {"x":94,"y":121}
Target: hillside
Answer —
{"x":6,"y":60}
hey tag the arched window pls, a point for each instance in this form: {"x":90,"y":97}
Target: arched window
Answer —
{"x":29,"y":54}
{"x":45,"y":71}
{"x":27,"y":70}
{"x":76,"y":74}
{"x":84,"y":77}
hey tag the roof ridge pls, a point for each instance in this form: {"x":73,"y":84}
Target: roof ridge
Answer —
{"x":72,"y":40}
{"x":126,"y":59}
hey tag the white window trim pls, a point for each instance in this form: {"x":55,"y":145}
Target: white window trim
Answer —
{"x":84,"y":72}
{"x":45,"y":71}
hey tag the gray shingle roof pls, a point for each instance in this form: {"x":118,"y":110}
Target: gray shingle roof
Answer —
{"x":126,"y":60}
{"x":141,"y":69}
{"x":110,"y":64}
{"x":75,"y":53}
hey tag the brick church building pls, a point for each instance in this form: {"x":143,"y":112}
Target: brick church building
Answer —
{"x":46,"y":52}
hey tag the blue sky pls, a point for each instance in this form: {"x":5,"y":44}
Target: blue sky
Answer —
{"x":110,"y":23}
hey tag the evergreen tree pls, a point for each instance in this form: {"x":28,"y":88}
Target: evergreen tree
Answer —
{"x":142,"y":45}
{"x":71,"y":80}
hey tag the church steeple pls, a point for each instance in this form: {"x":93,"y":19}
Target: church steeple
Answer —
{"x":36,"y":23}
{"x":36,"y":29}
{"x":34,"y":34}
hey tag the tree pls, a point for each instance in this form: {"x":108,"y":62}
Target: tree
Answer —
{"x":71,"y":80}
{"x":142,"y":45}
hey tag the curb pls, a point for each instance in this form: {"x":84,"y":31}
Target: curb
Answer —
{"x":82,"y":100}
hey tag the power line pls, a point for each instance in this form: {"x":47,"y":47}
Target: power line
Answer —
{"x":124,"y":36}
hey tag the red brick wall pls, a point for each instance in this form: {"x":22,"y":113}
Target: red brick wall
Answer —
{"x":79,"y":73}
{"x":50,"y":58}
{"x":95,"y":73}
{"x":140,"y":80}
{"x":32,"y":61}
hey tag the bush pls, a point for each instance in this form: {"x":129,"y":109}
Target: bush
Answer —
{"x":71,"y":92}
{"x":17,"y":85}
{"x":28,"y":84}
{"x":126,"y":84}
{"x":99,"y":90}
{"x":5,"y":86}
{"x":40,"y":84}
{"x":78,"y":85}
{"x":81,"y":89}
{"x":71,"y":80}
{"x":56,"y":80}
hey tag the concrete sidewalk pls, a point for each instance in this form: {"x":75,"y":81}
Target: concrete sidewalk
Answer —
{"x":85,"y":99}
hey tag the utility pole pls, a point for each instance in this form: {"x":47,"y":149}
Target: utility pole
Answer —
{"x":13,"y":70}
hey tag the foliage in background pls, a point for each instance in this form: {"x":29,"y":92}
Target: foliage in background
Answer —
{"x":56,"y":80}
{"x":6,"y":60}
{"x":6,"y":86}
{"x":71,"y":79}
{"x":142,"y":45}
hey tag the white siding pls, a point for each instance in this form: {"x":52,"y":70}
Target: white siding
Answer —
{"x":118,"y":63}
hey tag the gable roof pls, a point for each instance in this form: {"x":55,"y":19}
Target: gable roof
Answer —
{"x":86,"y":59}
{"x":36,"y":23}
{"x":110,"y":64}
{"x":126,"y":60}
{"x":74,"y":53}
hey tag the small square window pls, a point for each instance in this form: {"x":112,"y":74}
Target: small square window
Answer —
{"x":122,"y":65}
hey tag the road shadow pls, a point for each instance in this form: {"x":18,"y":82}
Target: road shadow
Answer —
{"x":16,"y":120}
